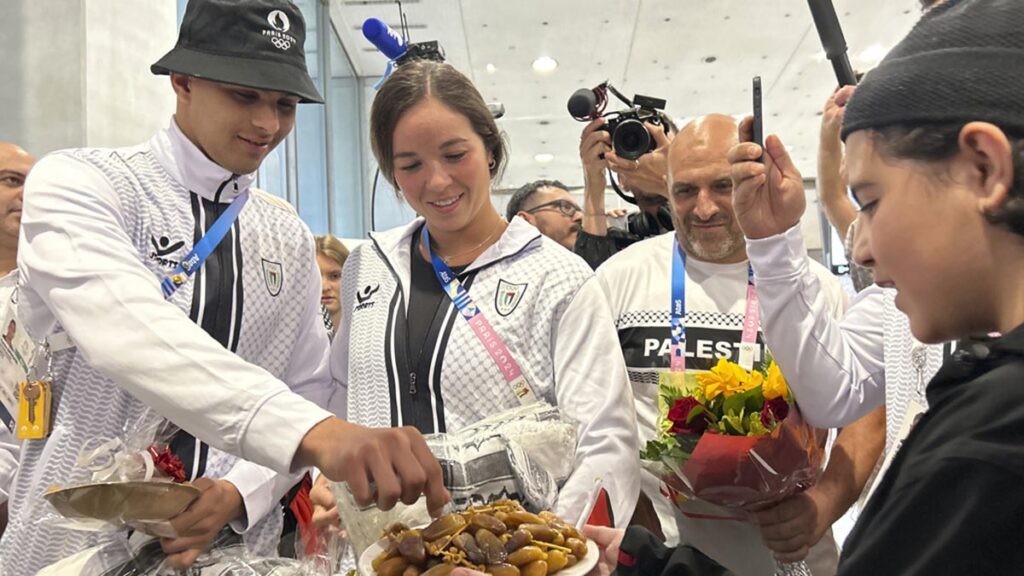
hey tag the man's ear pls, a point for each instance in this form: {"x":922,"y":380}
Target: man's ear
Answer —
{"x":528,"y":217}
{"x":987,"y":155}
{"x":182,"y":86}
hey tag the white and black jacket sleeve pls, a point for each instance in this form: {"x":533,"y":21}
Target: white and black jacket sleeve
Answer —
{"x":77,"y":261}
{"x":835,"y":367}
{"x":593,"y":388}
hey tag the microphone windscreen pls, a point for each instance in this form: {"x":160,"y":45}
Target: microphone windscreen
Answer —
{"x":389,"y":42}
{"x":582,"y":103}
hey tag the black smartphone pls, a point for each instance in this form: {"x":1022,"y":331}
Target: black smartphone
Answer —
{"x":758,"y":135}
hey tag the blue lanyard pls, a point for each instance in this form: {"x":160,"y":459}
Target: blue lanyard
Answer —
{"x":483,"y":330}
{"x":449,"y":281}
{"x":202,"y":249}
{"x":677,"y":311}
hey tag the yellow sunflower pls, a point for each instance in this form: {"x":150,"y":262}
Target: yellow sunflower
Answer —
{"x":775,"y":384}
{"x":725,"y":378}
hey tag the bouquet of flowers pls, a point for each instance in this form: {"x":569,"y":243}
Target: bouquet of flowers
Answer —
{"x":733,"y":438}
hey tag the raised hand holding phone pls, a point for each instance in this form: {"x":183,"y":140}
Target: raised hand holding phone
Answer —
{"x":768,"y":190}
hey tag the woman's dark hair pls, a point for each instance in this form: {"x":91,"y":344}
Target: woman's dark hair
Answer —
{"x":415,"y":81}
{"x":939,"y":142}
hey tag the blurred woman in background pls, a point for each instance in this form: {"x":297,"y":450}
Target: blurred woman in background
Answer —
{"x":330,"y":256}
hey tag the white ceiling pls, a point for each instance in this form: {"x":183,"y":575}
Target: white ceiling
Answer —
{"x":654,"y":47}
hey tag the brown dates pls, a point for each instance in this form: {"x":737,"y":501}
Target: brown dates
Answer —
{"x":492,"y":546}
{"x":487,"y":522}
{"x":467,"y":544}
{"x":501,"y":539}
{"x":411,"y":547}
{"x":444,"y":526}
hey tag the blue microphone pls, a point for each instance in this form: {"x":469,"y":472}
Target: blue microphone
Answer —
{"x":389,"y":42}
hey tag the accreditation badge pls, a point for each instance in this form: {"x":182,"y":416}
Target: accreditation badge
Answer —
{"x":16,"y":351}
{"x":914,"y":412}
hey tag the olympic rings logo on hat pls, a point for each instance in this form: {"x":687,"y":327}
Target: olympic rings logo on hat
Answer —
{"x":281,"y":43}
{"x":279,"y":21}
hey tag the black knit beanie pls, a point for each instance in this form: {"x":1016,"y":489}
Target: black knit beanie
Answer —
{"x":962,"y":62}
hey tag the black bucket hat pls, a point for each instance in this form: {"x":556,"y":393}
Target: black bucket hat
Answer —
{"x":252,"y":43}
{"x":963,"y":61}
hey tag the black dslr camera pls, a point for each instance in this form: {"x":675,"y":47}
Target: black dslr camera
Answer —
{"x":630,"y":138}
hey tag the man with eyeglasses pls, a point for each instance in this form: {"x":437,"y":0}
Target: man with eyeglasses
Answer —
{"x":548,"y":205}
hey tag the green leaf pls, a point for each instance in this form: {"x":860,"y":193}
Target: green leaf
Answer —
{"x":687,"y":443}
{"x":732,"y":424}
{"x":671,"y":449}
{"x":694,"y":412}
{"x":766,"y":360}
{"x":754,"y":425}
{"x":734,"y":403}
{"x":754,"y":399}
{"x":653,"y":450}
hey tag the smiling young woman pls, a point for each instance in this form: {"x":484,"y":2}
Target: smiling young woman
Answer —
{"x":441,"y":315}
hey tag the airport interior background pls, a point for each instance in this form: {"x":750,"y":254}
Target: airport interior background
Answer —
{"x":82,"y":80}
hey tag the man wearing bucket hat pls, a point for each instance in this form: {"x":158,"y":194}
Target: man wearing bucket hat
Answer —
{"x":164,"y":283}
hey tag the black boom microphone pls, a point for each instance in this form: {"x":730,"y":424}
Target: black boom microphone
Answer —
{"x":832,"y":40}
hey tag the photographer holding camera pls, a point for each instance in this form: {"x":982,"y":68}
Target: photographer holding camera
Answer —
{"x":633,"y":144}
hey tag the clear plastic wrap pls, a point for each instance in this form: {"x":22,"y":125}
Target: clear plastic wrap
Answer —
{"x":747,"y":471}
{"x":734,"y":438}
{"x":134,"y":481}
{"x":227,"y":556}
{"x":524,"y":454}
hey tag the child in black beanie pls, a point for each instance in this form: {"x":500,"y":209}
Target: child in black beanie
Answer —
{"x":935,"y":158}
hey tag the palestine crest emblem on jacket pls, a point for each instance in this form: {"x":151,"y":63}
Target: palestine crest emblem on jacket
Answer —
{"x":508,"y":296}
{"x":273,"y":275}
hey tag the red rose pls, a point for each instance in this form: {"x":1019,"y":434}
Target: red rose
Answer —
{"x":679,"y":414}
{"x":775,"y":410}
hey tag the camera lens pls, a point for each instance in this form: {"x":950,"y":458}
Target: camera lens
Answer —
{"x":631,"y":139}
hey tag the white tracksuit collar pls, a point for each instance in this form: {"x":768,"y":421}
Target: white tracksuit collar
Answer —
{"x":396,"y":247}
{"x":192,"y":169}
{"x":396,"y":243}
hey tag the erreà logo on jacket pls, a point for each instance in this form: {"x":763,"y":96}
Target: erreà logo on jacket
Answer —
{"x":363,"y":297}
{"x":162,"y":248}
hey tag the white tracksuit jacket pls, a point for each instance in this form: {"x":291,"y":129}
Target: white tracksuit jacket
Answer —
{"x":547,"y":307}
{"x":100,"y":229}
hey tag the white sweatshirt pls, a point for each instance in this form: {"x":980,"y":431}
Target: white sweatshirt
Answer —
{"x":100,"y":229}
{"x":548,"y":308}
